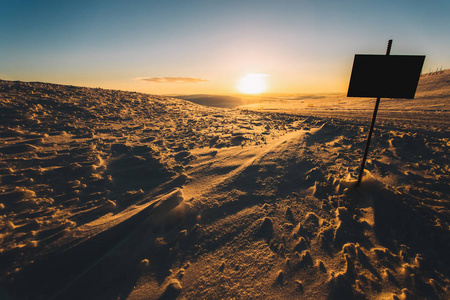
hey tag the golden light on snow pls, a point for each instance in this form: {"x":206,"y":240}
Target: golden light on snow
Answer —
{"x":221,"y":151}
{"x":253,"y":83}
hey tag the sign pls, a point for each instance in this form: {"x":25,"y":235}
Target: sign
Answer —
{"x":385,"y":76}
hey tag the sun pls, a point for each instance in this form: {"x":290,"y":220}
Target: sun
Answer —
{"x":253,"y":83}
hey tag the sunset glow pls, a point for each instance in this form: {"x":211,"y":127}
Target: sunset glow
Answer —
{"x":206,"y":47}
{"x":253,"y":84}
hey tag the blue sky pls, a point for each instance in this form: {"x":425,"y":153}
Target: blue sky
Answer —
{"x":303,"y":46}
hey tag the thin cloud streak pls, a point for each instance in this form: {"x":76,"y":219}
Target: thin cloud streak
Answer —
{"x":171,"y":79}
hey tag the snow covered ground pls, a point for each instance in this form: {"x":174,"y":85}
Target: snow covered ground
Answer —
{"x":116,"y":195}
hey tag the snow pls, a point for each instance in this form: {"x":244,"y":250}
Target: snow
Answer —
{"x":108,"y":194}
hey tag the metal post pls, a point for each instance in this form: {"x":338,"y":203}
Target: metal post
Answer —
{"x":361,"y":171}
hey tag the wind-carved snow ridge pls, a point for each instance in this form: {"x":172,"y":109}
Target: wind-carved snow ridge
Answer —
{"x":108,"y":194}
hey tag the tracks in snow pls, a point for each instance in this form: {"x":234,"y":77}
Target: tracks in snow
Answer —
{"x":208,"y":172}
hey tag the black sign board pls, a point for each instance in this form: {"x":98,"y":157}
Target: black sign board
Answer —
{"x":385,"y":76}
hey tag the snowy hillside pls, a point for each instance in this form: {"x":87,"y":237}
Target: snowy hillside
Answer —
{"x":116,"y":195}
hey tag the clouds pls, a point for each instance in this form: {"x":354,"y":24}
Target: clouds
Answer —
{"x":171,"y":79}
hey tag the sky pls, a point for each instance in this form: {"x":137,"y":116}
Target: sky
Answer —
{"x":206,"y":47}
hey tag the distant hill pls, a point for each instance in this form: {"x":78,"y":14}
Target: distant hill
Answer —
{"x":213,"y":100}
{"x":433,"y":82}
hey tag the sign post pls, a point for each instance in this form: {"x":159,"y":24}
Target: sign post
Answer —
{"x":383,"y":76}
{"x":374,"y":117}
